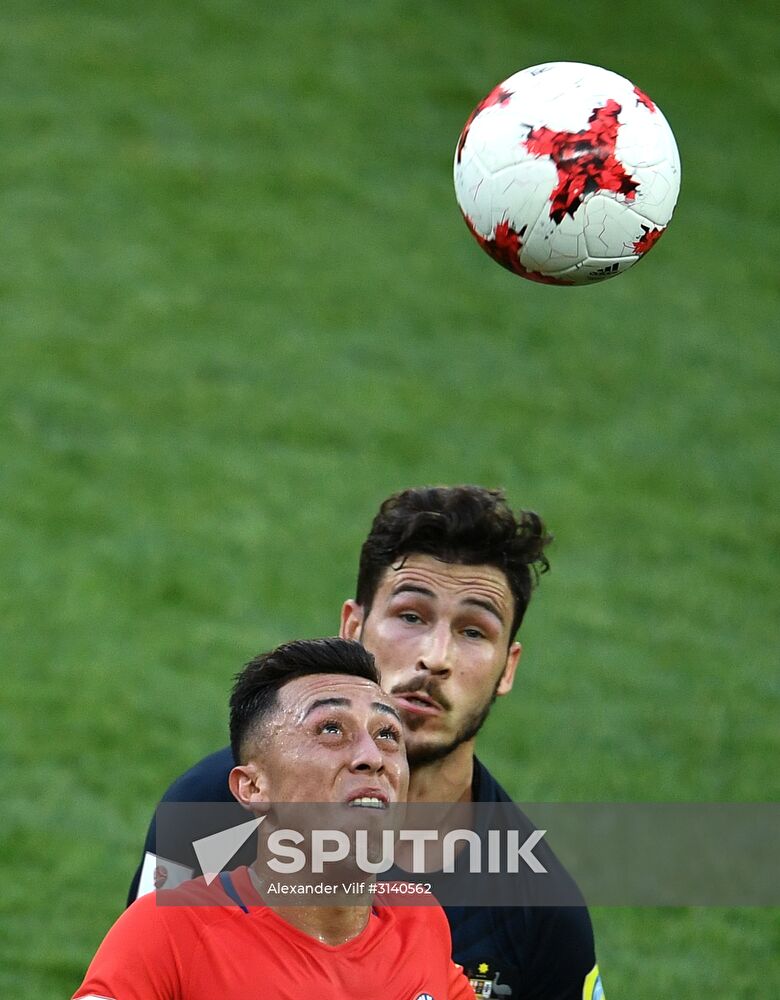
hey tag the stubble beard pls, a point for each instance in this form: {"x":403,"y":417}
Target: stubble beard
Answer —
{"x":430,"y":753}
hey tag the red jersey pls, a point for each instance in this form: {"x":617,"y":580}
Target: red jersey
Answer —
{"x":237,"y":950}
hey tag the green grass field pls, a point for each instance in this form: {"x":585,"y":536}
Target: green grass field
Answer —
{"x":239,"y":307}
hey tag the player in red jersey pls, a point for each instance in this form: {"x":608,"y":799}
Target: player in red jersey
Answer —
{"x":310,"y":724}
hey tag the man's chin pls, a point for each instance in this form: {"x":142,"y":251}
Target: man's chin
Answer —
{"x":422,"y":750}
{"x":429,"y":751}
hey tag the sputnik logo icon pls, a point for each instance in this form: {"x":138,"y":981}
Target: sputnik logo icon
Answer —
{"x":214,"y":852}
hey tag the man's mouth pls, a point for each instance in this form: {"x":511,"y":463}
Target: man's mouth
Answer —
{"x":369,"y":801}
{"x":417,"y":702}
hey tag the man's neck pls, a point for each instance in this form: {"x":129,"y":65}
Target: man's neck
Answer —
{"x":445,"y":780}
{"x":333,"y":925}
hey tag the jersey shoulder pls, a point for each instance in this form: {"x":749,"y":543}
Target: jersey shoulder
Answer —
{"x":484,"y":787}
{"x":412,"y":919}
{"x":206,"y":781}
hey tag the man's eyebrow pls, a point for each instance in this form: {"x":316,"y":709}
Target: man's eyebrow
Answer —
{"x":382,"y":706}
{"x":412,"y":588}
{"x":327,"y":703}
{"x":488,"y":606}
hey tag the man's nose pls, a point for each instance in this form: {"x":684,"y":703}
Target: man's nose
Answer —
{"x":436,"y":655}
{"x":367,"y":756}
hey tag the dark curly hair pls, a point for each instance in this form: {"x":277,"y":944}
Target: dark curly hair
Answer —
{"x":457,"y":524}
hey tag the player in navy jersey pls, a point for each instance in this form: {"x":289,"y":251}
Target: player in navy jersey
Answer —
{"x":444,"y":580}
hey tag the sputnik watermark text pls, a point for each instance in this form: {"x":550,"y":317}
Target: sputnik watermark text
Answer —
{"x":494,"y":852}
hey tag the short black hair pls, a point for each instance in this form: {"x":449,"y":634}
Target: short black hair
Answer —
{"x":457,"y":524}
{"x":256,"y":688}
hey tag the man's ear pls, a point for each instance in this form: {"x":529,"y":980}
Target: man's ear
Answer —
{"x":352,"y":618}
{"x":508,"y":676}
{"x":248,"y":786}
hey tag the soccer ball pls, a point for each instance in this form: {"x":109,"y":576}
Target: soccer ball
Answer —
{"x":566,"y":173}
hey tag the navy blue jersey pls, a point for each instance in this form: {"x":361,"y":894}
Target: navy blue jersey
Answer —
{"x":523,"y":952}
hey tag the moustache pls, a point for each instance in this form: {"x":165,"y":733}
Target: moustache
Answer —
{"x":426,"y":686}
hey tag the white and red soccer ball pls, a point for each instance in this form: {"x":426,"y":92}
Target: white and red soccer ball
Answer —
{"x":567,"y":173}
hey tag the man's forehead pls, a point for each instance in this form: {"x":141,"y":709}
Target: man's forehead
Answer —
{"x":451,"y":579}
{"x":303,"y":691}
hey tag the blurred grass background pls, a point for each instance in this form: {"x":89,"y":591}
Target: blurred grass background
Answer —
{"x":239,"y":307}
